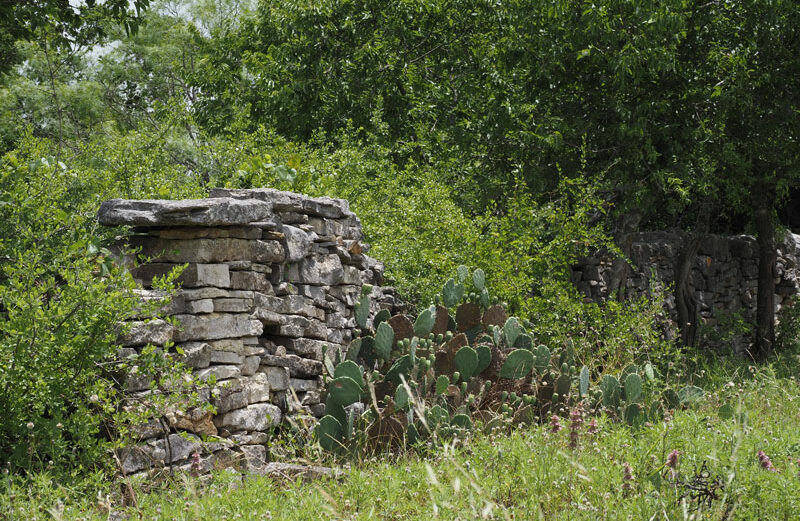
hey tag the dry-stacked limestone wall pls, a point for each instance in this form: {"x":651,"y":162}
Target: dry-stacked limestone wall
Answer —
{"x":724,"y":274}
{"x":271,"y":279}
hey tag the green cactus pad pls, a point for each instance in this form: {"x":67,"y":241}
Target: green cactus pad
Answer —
{"x":424,"y":323}
{"x":384,"y":339}
{"x":351,"y":369}
{"x":461,"y":421}
{"x":479,"y":279}
{"x":437,"y":417}
{"x":441,"y":384}
{"x":462,"y":272}
{"x":584,"y":381}
{"x":633,"y":415}
{"x":452,"y":293}
{"x":362,"y":311}
{"x":380,"y":317}
{"x":633,"y":387}
{"x":354,"y":349}
{"x":466,"y":362}
{"x":402,"y":366}
{"x":524,"y":341}
{"x":542,"y":362}
{"x":344,"y":390}
{"x":401,"y":398}
{"x":484,"y":298}
{"x":563,"y":384}
{"x":649,"y":372}
{"x":518,"y":364}
{"x":484,"y":358}
{"x":412,"y":434}
{"x":367,"y":352}
{"x":511,"y":330}
{"x":329,"y":432}
{"x":611,"y":390}
{"x":671,"y":398}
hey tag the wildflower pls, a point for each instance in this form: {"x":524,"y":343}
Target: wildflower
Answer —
{"x":94,"y":398}
{"x":196,"y":464}
{"x":555,"y":423}
{"x":765,"y":462}
{"x":576,"y":420}
{"x":627,"y":476}
{"x":672,"y":462}
{"x":593,"y":428}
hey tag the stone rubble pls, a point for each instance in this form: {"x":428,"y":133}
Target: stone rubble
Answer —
{"x":271,"y":279}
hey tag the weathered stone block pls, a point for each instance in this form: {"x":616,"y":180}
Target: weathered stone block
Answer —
{"x":297,"y":366}
{"x":221,"y":372}
{"x":278,"y":377}
{"x":251,"y":280}
{"x":196,"y":355}
{"x":187,"y":212}
{"x":207,"y":251}
{"x":256,"y":417}
{"x":216,"y":326}
{"x":156,"y":332}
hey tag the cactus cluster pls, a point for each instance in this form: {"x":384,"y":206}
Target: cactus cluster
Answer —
{"x":426,"y":379}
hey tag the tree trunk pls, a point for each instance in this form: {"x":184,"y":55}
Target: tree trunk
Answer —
{"x":765,"y":301}
{"x":620,"y":267}
{"x":684,"y":291}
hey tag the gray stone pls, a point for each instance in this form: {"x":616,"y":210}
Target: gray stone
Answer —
{"x":221,"y":372}
{"x":196,"y":355}
{"x":176,"y":448}
{"x":234,"y":396}
{"x":256,"y":417}
{"x":204,"y":293}
{"x":305,"y":347}
{"x":250,"y":365}
{"x":216,"y":326}
{"x":226,"y":357}
{"x":290,"y":202}
{"x":236,"y":345}
{"x":297,"y":326}
{"x":254,"y":456}
{"x":278,"y":377}
{"x":303,"y":385}
{"x":290,"y":305}
{"x":232,"y":305}
{"x":290,"y":472}
{"x":296,"y":243}
{"x":258,"y":388}
{"x":251,"y":280}
{"x":326,"y":270}
{"x":187,"y":212}
{"x":199,"y":306}
{"x":156,"y":332}
{"x":208,"y":250}
{"x":297,"y":366}
{"x":204,"y":232}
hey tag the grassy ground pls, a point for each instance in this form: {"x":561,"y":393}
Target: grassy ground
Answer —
{"x":530,"y":473}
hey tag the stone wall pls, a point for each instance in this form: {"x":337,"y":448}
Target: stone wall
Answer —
{"x":724,"y":275}
{"x":272,"y":278}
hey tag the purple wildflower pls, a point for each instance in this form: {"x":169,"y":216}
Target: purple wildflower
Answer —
{"x":593,"y":428}
{"x":627,"y":476}
{"x":576,"y":420}
{"x":765,"y":462}
{"x":555,"y":423}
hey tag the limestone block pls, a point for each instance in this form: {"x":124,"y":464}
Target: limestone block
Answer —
{"x":207,"y":251}
{"x":232,"y":305}
{"x":290,"y":305}
{"x":290,"y":202}
{"x":221,"y":372}
{"x":258,"y":388}
{"x":251,"y":280}
{"x":297,"y":326}
{"x":187,"y":212}
{"x":278,"y":377}
{"x":305,"y":347}
{"x":205,"y":232}
{"x":197,"y":307}
{"x":236,"y":345}
{"x":256,"y":417}
{"x":139,"y":333}
{"x":322,"y":270}
{"x":297,"y":366}
{"x":303,"y":385}
{"x":234,"y":396}
{"x":196,"y":355}
{"x":176,"y":448}
{"x":250,"y":365}
{"x":254,"y":456}
{"x":296,"y":242}
{"x":216,"y":326}
{"x":196,"y":420}
{"x":226,"y":357}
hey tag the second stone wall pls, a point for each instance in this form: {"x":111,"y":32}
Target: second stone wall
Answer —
{"x":724,"y":275}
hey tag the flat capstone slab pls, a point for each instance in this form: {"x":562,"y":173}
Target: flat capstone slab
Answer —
{"x":221,"y":211}
{"x":289,"y":201}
